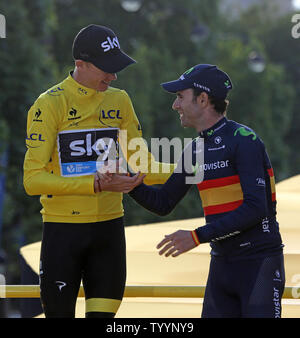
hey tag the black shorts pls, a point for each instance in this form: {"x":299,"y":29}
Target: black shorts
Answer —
{"x":93,"y":253}
{"x":244,"y":288}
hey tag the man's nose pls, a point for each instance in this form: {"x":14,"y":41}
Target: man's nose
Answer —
{"x":175,"y":105}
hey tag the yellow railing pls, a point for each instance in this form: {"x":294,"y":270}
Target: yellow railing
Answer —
{"x":33,"y":291}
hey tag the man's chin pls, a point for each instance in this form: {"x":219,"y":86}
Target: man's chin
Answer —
{"x":102,"y":87}
{"x":184,"y":125}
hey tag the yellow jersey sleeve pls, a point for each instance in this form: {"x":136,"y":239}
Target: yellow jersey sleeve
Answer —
{"x":136,"y":152}
{"x":39,"y":179}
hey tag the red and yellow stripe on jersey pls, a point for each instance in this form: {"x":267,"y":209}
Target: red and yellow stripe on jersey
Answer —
{"x":225,"y":194}
{"x":272,"y":183}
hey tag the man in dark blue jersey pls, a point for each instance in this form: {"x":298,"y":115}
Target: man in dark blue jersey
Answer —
{"x":246,"y":276}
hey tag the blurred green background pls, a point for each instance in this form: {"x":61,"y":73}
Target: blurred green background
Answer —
{"x":251,"y":40}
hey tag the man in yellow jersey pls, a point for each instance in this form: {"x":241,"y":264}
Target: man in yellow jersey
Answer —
{"x":69,"y":128}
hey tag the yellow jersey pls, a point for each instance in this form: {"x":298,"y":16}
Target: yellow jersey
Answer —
{"x":69,"y":127}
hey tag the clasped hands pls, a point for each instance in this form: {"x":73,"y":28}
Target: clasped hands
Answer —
{"x":109,"y":178}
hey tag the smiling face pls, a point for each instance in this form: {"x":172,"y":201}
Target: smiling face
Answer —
{"x":92,"y":77}
{"x":188,"y":108}
{"x":195,"y":110}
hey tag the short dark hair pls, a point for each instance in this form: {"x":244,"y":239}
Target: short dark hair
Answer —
{"x":220,"y":105}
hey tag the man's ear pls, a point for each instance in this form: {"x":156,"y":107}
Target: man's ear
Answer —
{"x":203,"y":99}
{"x":79,"y":63}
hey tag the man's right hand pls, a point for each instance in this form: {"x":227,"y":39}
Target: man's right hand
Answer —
{"x":117,"y":183}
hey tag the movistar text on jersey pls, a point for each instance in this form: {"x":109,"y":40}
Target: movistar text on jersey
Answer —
{"x":213,"y":165}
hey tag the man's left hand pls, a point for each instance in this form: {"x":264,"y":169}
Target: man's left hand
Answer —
{"x":176,"y":243}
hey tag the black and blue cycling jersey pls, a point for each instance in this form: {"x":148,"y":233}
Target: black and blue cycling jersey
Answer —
{"x":237,"y":193}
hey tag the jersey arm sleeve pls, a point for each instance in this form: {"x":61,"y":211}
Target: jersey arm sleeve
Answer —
{"x":136,"y":152}
{"x":42,"y":127}
{"x":161,"y":200}
{"x":249,"y":159}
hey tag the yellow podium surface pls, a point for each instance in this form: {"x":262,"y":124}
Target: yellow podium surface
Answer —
{"x":146,"y":267}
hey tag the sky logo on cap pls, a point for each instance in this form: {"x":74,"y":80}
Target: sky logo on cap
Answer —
{"x":109,"y":44}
